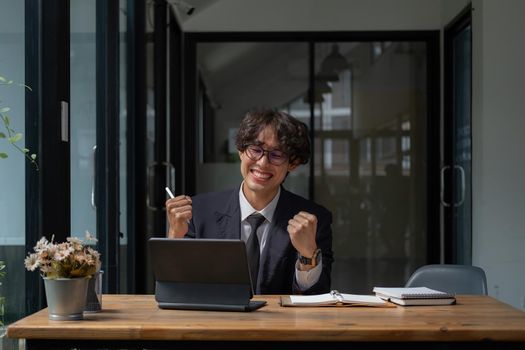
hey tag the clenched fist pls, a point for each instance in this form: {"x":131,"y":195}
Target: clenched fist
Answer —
{"x":302,"y":229}
{"x":179,"y":212}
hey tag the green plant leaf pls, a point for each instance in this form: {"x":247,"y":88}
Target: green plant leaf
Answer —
{"x":11,"y":135}
{"x":16,"y":138}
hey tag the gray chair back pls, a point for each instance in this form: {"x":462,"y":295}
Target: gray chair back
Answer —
{"x":458,"y":279}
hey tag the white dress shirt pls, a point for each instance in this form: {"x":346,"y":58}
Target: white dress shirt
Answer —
{"x":305,"y":279}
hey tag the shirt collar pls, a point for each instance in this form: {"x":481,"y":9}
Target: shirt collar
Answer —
{"x":247,"y":209}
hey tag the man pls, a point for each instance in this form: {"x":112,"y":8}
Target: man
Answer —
{"x":291,"y":252}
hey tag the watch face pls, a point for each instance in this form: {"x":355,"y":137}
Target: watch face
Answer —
{"x":305,"y":260}
{"x":310,"y":261}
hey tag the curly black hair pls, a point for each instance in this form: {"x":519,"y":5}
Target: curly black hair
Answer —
{"x":292,"y":134}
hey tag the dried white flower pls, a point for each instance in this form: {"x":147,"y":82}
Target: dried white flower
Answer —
{"x":42,"y":244}
{"x":31,"y":262}
{"x":90,"y":237}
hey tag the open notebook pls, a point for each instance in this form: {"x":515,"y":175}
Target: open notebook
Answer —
{"x":334,"y":298}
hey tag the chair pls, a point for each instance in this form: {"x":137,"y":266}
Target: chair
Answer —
{"x":458,"y":279}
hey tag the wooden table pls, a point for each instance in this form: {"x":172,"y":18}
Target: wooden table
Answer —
{"x":133,"y":321}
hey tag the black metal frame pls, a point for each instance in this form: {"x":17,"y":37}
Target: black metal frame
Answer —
{"x":107,"y":133}
{"x":431,"y":38}
{"x":460,"y":22}
{"x":47,"y":73}
{"x":311,"y":100}
{"x":188,"y":138}
{"x":175,"y":140}
{"x":159,"y":166}
{"x":432,"y":166}
{"x":136,"y":144}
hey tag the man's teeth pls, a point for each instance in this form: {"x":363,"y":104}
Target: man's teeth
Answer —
{"x":261,"y":175}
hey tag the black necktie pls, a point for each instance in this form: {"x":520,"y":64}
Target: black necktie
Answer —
{"x":252,"y":247}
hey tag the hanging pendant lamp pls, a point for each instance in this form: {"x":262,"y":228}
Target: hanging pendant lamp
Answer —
{"x":332,"y":65}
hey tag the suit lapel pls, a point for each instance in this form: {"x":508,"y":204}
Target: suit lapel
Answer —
{"x":229,"y":220}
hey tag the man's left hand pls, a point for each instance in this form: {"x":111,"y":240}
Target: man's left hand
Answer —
{"x":302,"y":229}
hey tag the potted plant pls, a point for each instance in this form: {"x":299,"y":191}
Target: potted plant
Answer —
{"x":66,"y":269}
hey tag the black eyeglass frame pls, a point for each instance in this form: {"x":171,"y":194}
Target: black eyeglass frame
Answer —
{"x":283,"y":157}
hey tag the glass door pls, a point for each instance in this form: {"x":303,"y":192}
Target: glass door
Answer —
{"x":94,"y":130}
{"x":371,"y":127}
{"x":375,"y":139}
{"x":83,"y":111}
{"x":457,"y":169}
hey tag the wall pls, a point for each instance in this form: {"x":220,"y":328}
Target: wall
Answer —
{"x":498,"y":128}
{"x":450,"y":9}
{"x":313,"y":15}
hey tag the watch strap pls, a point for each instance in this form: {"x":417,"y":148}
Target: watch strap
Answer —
{"x":313,"y":260}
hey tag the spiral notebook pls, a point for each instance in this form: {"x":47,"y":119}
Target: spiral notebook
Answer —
{"x":415,"y":296}
{"x":412,"y":293}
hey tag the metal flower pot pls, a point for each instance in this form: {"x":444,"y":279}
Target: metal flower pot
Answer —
{"x":66,"y":298}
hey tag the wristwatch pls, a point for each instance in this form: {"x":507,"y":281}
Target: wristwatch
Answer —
{"x":310,"y":261}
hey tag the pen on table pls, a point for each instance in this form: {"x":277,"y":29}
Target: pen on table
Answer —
{"x":169,"y":192}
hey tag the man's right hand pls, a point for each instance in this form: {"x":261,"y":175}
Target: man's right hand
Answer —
{"x":179,"y":212}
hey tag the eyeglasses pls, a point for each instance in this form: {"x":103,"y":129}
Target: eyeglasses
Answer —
{"x":275,"y":157}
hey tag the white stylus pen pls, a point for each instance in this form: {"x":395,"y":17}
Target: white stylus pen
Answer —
{"x":169,"y":192}
{"x":172,"y":196}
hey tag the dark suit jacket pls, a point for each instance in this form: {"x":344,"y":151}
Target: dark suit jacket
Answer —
{"x":218,"y":215}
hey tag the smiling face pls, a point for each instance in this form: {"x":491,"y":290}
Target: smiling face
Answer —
{"x":261,"y":178}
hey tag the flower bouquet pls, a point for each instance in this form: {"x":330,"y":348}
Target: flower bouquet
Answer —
{"x":71,"y":259}
{"x":66,"y":269}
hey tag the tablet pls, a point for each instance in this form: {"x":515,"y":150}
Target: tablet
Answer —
{"x":204,"y":274}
